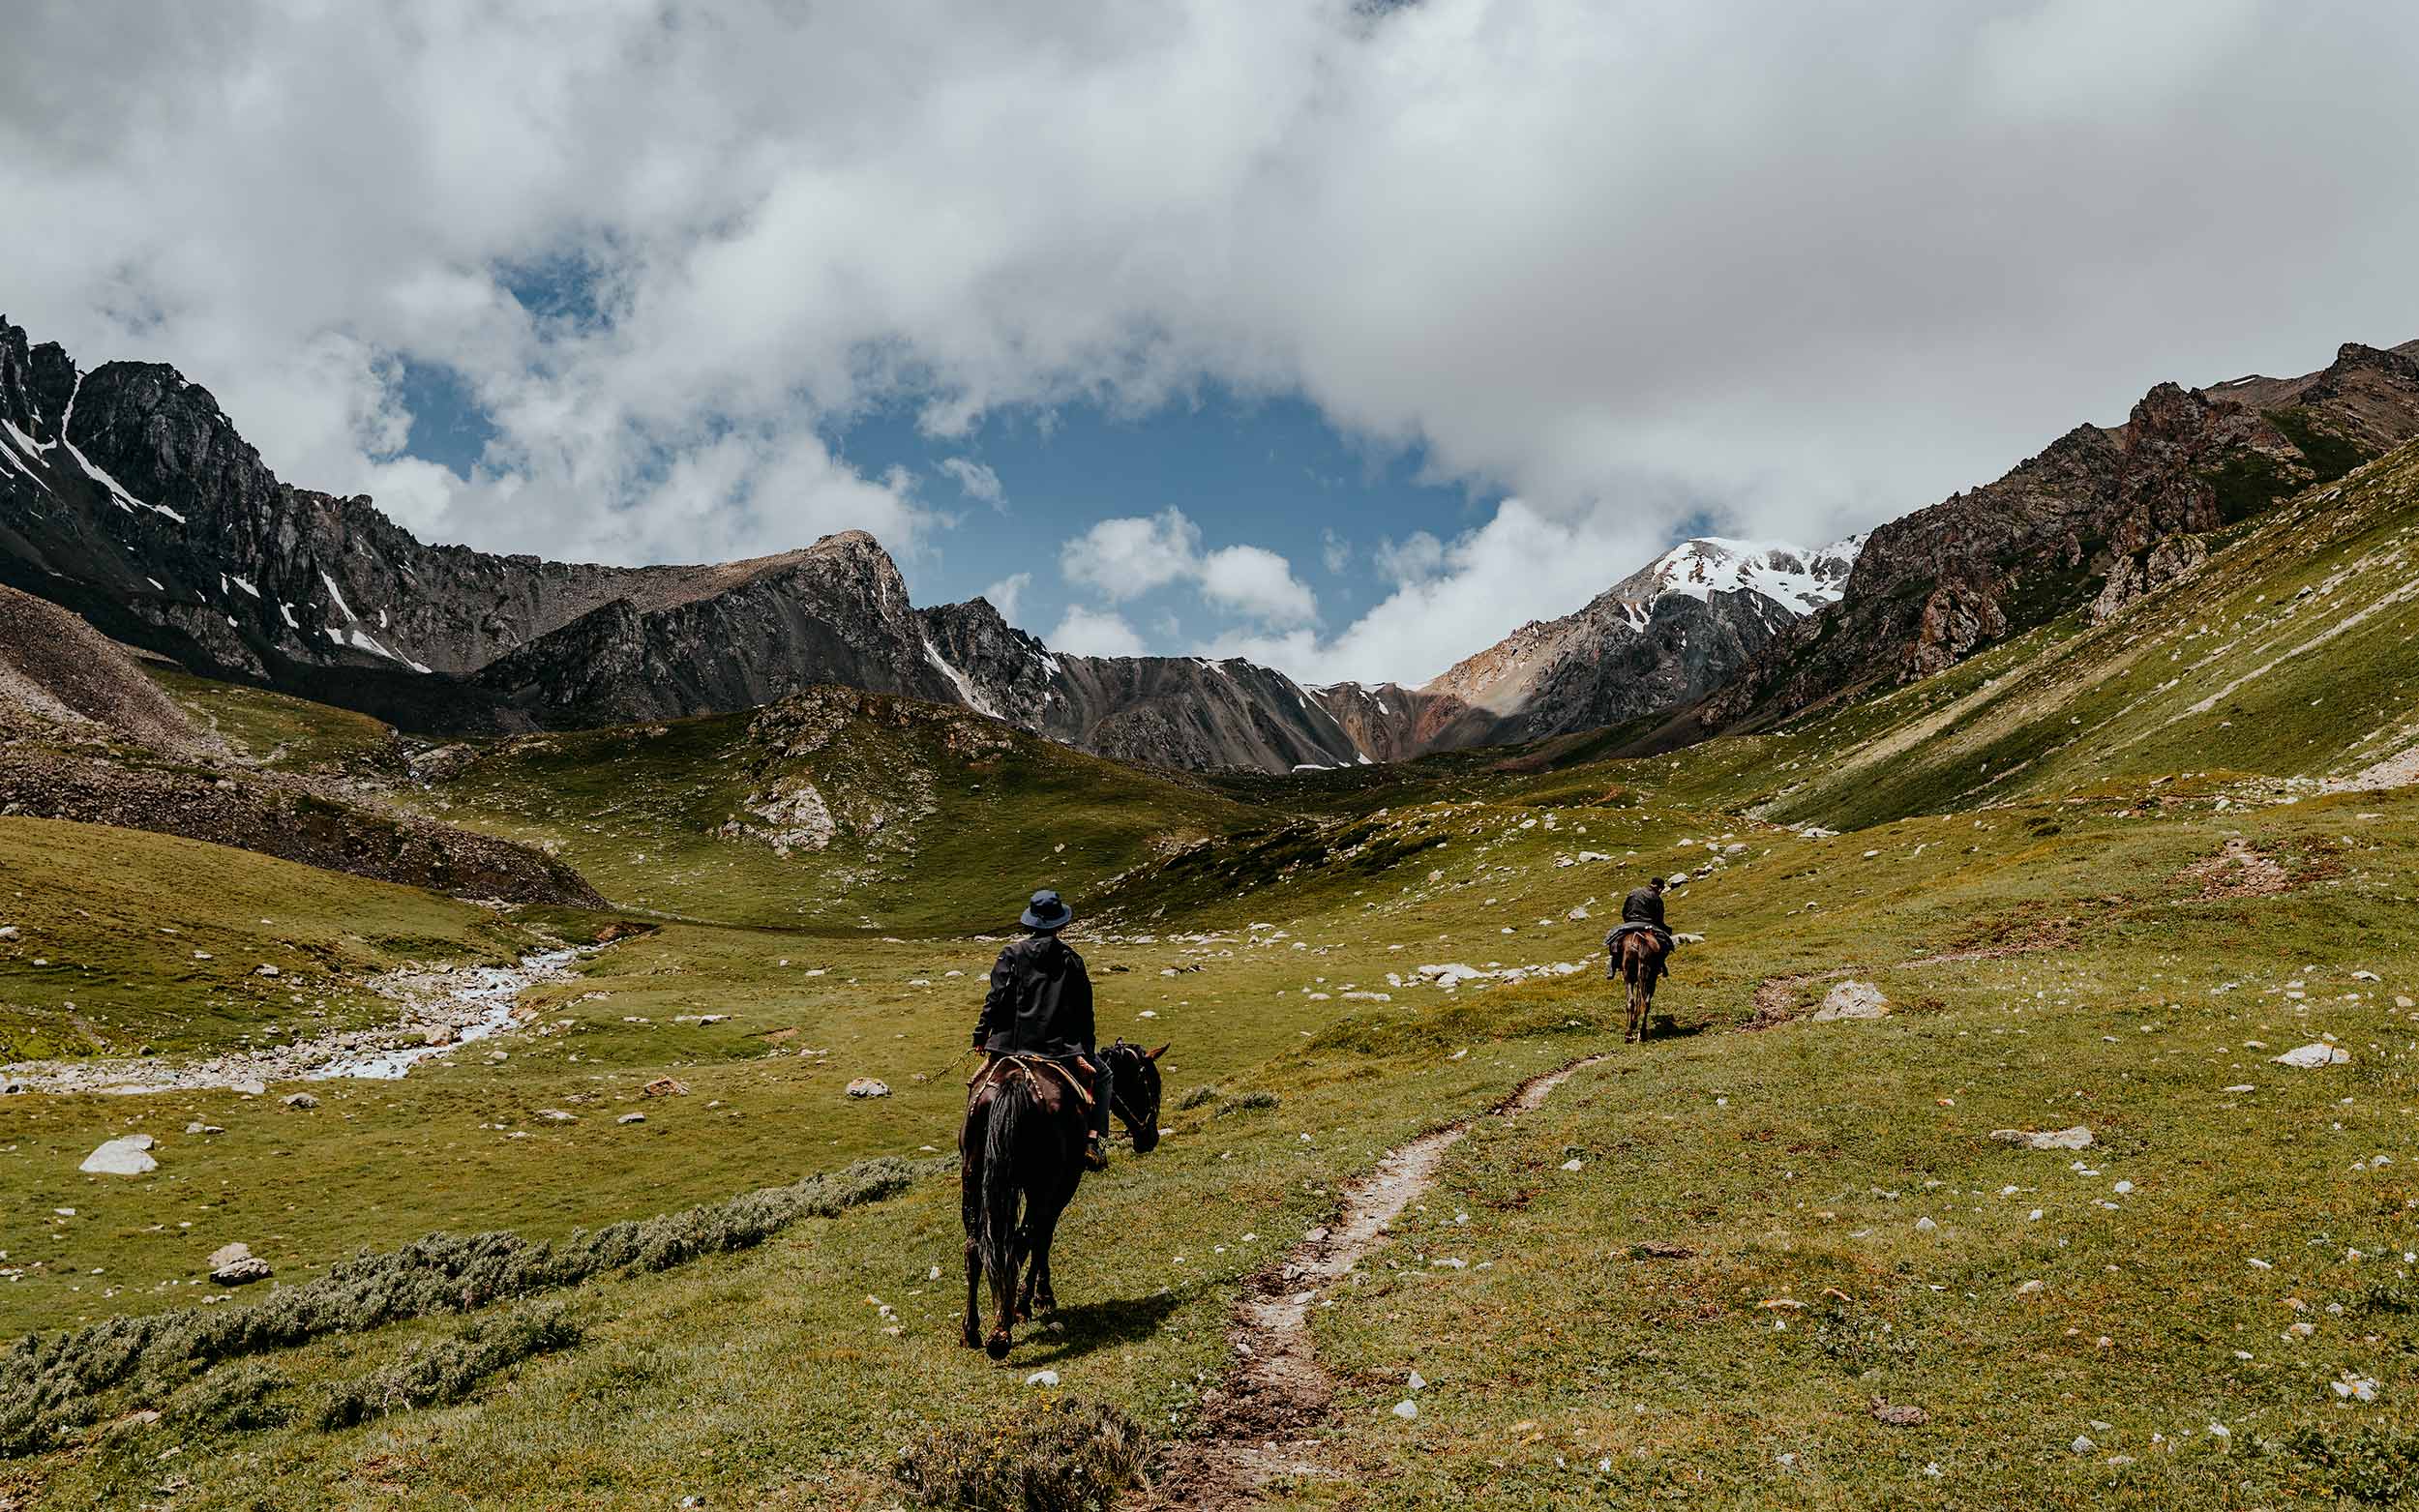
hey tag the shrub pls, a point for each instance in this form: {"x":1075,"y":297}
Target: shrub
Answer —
{"x":235,"y":1398}
{"x":1199,"y":1097}
{"x":451,"y":1369}
{"x":1249,"y":1102}
{"x":1046,"y":1454}
{"x":48,"y":1383}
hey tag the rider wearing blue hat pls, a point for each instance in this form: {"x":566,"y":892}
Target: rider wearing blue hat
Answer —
{"x":1040,"y":1004}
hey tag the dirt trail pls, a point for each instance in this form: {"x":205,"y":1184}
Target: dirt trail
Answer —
{"x":1257,"y":1426}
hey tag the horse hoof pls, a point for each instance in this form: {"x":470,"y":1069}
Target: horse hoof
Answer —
{"x":996,"y":1346}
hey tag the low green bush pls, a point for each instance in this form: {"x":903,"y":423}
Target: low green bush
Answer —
{"x":1049,"y":1454}
{"x":450,"y":1369}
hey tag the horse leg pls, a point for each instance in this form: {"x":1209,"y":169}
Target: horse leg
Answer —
{"x":971,"y":1185}
{"x":1037,"y":1286}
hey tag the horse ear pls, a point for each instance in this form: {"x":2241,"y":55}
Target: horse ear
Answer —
{"x":1154,"y":1054}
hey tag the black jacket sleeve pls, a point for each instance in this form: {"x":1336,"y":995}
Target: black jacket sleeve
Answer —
{"x":998,"y":1006}
{"x":1078,"y":1021}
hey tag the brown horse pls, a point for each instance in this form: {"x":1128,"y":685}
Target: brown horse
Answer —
{"x":1026,"y":1124}
{"x":1642,"y":956}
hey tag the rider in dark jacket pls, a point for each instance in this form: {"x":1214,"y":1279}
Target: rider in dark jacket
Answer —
{"x":1643,"y":909}
{"x":1040,"y":1004}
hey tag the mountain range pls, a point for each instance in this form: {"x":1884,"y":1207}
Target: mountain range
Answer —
{"x":129,"y":496}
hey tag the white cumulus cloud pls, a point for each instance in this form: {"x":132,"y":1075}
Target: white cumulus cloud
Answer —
{"x":1090,"y":631}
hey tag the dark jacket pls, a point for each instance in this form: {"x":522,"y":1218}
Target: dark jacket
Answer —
{"x":1039,"y":1002}
{"x":1643,"y":905}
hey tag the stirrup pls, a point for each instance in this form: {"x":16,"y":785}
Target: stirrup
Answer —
{"x":1095,"y":1154}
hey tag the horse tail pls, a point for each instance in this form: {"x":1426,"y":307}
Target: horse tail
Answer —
{"x":1011,"y":1103}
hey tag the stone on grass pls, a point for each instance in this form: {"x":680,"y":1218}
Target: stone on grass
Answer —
{"x":1853,"y":1000}
{"x":1898,"y":1415}
{"x":867,"y":1086}
{"x":1042,"y":1378}
{"x":631,"y":1119}
{"x":664,"y":1087}
{"x":300,"y":1100}
{"x":129,"y":1155}
{"x":2309,"y":1058}
{"x":2077,"y":1137}
{"x":1406,"y":1409}
{"x":235,"y":1265}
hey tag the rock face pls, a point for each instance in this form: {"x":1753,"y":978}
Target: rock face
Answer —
{"x":1663,"y":637}
{"x":2098,"y":519}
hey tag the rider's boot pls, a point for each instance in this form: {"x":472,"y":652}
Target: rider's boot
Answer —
{"x":1095,"y":1154}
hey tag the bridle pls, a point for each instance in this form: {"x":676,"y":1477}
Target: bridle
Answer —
{"x":1117,"y":1095}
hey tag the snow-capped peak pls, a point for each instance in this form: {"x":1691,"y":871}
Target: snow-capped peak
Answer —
{"x":1797,"y":578}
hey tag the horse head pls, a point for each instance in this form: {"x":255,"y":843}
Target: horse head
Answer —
{"x":1134,"y":1091}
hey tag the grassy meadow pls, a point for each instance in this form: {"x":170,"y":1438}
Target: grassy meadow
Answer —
{"x":1689,"y":1278}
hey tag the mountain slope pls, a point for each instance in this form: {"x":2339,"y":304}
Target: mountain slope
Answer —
{"x":2098,"y":516}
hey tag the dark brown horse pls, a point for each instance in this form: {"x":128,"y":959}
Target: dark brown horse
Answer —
{"x":1022,"y":1144}
{"x":1642,"y":956}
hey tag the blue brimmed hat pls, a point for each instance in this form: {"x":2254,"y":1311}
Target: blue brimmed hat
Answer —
{"x":1047,"y":912}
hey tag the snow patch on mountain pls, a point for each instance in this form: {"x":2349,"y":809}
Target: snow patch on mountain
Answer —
{"x":1797,"y":580}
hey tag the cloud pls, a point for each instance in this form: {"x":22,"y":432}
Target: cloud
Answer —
{"x":1335,"y":552}
{"x":975,"y":481}
{"x":1007,"y":595}
{"x":1255,"y":581}
{"x":1087,"y":632}
{"x":1132,"y":556}
{"x":1796,"y":267}
{"x":1469,"y":592}
{"x":1414,"y":558}
{"x":1127,"y":558}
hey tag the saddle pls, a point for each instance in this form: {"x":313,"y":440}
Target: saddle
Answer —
{"x":1001,"y":1067}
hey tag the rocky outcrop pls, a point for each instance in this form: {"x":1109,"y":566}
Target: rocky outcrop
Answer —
{"x":2097,"y":519}
{"x":56,"y":670}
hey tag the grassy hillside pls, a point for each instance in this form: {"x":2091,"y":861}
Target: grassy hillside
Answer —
{"x":121,"y":940}
{"x":929,"y":817}
{"x":2286,"y":657}
{"x":278,"y":731}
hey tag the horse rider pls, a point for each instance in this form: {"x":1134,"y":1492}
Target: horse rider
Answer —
{"x":1040,"y":1004}
{"x":1642,"y":910}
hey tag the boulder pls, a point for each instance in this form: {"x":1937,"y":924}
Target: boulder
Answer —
{"x":302,"y":1101}
{"x":2077,"y":1137}
{"x":1853,"y":1000}
{"x":867,"y":1086}
{"x":129,"y":1155}
{"x":2309,"y":1058}
{"x":666,"y":1086}
{"x":437,"y":1034}
{"x":235,"y":1265}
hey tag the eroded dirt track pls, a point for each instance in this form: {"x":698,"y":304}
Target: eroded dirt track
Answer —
{"x":1260,"y":1421}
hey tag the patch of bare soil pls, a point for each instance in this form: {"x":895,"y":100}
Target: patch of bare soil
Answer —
{"x":1776,"y":997}
{"x":1259,"y":1421}
{"x":2241,"y":869}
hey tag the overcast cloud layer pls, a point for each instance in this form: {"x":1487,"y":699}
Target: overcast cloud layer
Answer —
{"x":1789,"y":268}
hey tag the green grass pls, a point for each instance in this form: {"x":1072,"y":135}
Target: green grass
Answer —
{"x":128,"y":939}
{"x":278,"y":730}
{"x":2050,"y":957}
{"x":949,"y":819}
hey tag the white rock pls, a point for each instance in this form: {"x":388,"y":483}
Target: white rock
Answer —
{"x":1852,"y":1000}
{"x":867,"y":1086}
{"x":1406,"y":1409}
{"x":126,"y":1156}
{"x":1571,"y":1165}
{"x":1418,"y":1381}
{"x":1042,"y":1378}
{"x":631,"y":1119}
{"x":302,"y":1101}
{"x":2077,"y":1137}
{"x":1925,"y":1226}
{"x":2309,"y":1058}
